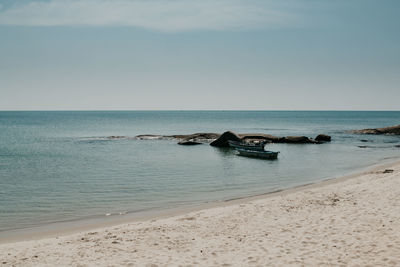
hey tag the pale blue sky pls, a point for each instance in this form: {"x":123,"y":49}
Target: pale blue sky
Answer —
{"x":185,"y":54}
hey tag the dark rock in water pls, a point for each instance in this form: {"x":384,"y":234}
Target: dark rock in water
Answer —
{"x":222,"y":141}
{"x":189,"y":143}
{"x":365,"y":140}
{"x":297,"y":140}
{"x":259,"y":137}
{"x":323,"y":138}
{"x":393,"y":130}
{"x":363,"y":146}
{"x":276,"y":139}
{"x":397,"y":146}
{"x":388,"y":171}
{"x":197,"y":136}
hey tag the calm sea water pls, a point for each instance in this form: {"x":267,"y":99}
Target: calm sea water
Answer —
{"x":58,"y":166}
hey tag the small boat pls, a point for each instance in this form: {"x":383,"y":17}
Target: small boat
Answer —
{"x":249,"y":146}
{"x":257,"y":154}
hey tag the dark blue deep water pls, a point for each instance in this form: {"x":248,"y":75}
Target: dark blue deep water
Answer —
{"x":58,"y":166}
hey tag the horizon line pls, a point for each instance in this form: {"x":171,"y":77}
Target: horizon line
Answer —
{"x":95,"y":110}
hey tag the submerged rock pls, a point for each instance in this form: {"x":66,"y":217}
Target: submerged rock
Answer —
{"x":392,"y":130}
{"x":323,"y":138}
{"x":222,"y":141}
{"x":297,"y":140}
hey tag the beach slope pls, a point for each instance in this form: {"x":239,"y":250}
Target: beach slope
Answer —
{"x":353,"y":221}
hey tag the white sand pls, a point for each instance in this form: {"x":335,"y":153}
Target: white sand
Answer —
{"x":354,"y":221}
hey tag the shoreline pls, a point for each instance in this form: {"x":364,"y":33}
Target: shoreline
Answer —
{"x":65,"y":228}
{"x":353,"y":220}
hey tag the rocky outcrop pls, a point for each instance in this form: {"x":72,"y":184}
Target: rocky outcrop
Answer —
{"x":222,"y":141}
{"x":196,"y":137}
{"x":199,"y":137}
{"x":323,"y":138}
{"x":248,"y":137}
{"x":219,"y":140}
{"x":225,"y":137}
{"x":297,"y":140}
{"x":393,"y":130}
{"x":277,"y":139}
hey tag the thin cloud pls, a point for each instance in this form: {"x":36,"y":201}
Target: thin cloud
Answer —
{"x":163,"y":15}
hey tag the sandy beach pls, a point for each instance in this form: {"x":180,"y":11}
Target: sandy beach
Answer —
{"x":352,"y":221}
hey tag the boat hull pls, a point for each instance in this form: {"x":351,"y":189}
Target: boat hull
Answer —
{"x":254,"y":147}
{"x":257,"y":154}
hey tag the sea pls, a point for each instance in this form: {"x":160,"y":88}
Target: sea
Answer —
{"x":61,"y":166}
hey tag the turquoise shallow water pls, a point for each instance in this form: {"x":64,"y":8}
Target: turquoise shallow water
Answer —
{"x":58,"y":166}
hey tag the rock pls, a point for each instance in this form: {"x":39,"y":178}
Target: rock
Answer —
{"x":219,"y":140}
{"x":197,"y":137}
{"x":222,"y":141}
{"x":189,"y":143}
{"x":259,"y":136}
{"x":277,"y":139}
{"x":297,"y":140}
{"x":366,"y":131}
{"x":323,"y":138}
{"x":393,"y":130}
{"x":388,"y":171}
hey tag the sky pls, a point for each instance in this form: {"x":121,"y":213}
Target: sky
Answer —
{"x":207,"y":55}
